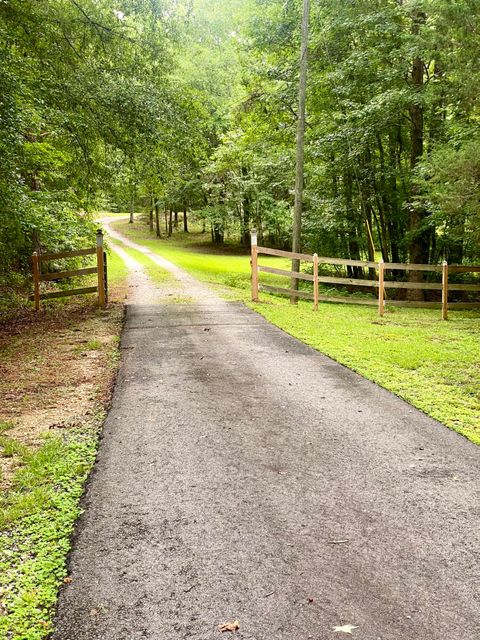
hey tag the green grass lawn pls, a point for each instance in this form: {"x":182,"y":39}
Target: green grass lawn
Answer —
{"x":434,"y":365}
{"x":117,"y":269}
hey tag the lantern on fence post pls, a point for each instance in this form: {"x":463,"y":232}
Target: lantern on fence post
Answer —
{"x":100,"y":275}
{"x":254,"y":264}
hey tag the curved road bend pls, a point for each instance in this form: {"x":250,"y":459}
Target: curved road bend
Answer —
{"x":242,"y":475}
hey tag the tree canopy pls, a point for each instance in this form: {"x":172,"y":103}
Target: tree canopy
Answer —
{"x":192,"y":104}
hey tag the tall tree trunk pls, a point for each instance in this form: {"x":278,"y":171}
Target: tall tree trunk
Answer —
{"x":384,"y":210}
{"x":132,"y":209}
{"x":246,"y":222}
{"x":217,"y":233}
{"x":152,"y":208}
{"x":394,"y":222}
{"x":299,"y":177}
{"x":170,"y":223}
{"x":365,"y":188}
{"x":37,"y":245}
{"x":185,"y":221}
{"x":418,"y":247}
{"x":370,"y":242}
{"x":157,"y":218}
{"x":245,"y":214}
{"x":352,"y":238}
{"x":176,"y":219}
{"x":258,"y":222}
{"x":436,"y":134}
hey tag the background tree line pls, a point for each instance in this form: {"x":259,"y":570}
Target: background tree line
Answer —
{"x":393,"y":134}
{"x":191,"y":105}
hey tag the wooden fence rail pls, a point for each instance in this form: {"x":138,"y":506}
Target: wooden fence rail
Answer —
{"x":100,"y":269}
{"x":381,"y":283}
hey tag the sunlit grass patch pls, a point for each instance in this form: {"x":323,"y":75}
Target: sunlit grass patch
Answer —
{"x":117,"y":269}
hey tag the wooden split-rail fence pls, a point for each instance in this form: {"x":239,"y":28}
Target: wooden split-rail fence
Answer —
{"x":381,"y":283}
{"x":100,"y":269}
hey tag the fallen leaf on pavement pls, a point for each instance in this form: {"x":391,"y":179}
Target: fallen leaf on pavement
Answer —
{"x":68,"y":580}
{"x":229,"y":626}
{"x":347,"y":628}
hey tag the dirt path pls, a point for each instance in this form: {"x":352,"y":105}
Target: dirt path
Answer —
{"x":242,"y":475}
{"x":186,"y":286}
{"x":141,"y":289}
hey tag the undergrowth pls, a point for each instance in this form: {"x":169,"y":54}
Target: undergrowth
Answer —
{"x":37,"y":517}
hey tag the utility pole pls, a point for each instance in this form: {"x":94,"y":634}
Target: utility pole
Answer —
{"x":299,"y":177}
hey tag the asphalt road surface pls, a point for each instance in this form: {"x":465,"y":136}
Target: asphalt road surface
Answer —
{"x":244,"y":476}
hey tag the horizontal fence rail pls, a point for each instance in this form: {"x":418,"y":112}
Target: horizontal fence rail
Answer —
{"x":100,"y":269}
{"x":45,"y":277}
{"x":67,"y":292}
{"x":381,"y":283}
{"x":66,"y":254}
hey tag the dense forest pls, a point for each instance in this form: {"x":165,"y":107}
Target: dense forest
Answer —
{"x":191,"y":105}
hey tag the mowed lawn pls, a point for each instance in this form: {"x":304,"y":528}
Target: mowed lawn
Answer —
{"x":434,"y":365}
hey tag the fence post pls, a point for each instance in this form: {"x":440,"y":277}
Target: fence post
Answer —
{"x":254,"y":263}
{"x":315,"y":282}
{"x":381,"y":287}
{"x":36,"y":280}
{"x":445,"y":290}
{"x":100,"y":274}
{"x":105,"y":275}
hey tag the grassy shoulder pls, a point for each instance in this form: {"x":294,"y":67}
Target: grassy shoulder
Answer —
{"x":57,"y":372}
{"x":430,"y":363}
{"x":117,"y":276}
{"x":37,"y":517}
